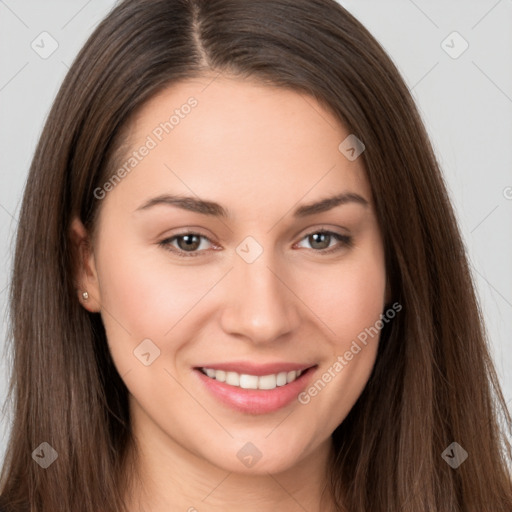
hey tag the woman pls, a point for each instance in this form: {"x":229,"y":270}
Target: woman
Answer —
{"x":239,"y":281}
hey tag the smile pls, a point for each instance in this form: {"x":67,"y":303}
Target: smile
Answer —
{"x":255,"y":388}
{"x":246,"y":381}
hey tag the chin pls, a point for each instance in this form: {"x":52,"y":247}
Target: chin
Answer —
{"x":258,"y":458}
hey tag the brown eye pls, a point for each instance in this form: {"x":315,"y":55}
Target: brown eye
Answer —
{"x":185,"y":244}
{"x":188,"y":242}
{"x":320,"y":241}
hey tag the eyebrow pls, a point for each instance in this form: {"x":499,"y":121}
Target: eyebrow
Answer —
{"x":204,"y":207}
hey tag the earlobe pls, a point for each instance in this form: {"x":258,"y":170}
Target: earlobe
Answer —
{"x":84,"y":267}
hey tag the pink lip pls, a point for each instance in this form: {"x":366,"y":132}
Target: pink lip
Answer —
{"x":256,"y":401}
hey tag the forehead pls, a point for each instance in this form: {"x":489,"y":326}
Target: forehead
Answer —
{"x":238,"y":142}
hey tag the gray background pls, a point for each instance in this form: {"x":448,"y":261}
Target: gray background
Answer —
{"x":466,"y":103}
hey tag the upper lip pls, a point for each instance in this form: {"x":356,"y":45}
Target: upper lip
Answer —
{"x":250,"y":368}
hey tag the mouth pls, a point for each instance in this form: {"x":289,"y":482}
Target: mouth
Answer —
{"x":255,"y":389}
{"x":248,"y":381}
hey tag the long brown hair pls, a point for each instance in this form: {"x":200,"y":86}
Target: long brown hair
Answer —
{"x":433,"y":382}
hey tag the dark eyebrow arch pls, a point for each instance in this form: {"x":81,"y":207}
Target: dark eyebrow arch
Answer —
{"x":329,"y":203}
{"x":194,"y":204}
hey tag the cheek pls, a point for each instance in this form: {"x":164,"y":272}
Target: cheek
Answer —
{"x":146,"y":292}
{"x":349,"y":297}
{"x":350,"y":302}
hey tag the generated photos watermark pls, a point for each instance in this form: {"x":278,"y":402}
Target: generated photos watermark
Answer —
{"x":343,"y":360}
{"x":152,"y":140}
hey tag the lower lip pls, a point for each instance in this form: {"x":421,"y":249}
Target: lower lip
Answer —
{"x":256,"y":401}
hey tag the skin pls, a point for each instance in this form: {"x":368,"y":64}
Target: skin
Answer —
{"x":261,"y":152}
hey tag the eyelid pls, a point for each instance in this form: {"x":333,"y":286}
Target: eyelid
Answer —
{"x":166,"y":243}
{"x":344,"y":241}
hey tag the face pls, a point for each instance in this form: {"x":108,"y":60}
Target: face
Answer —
{"x":231,"y":304}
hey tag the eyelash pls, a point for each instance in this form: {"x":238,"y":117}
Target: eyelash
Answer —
{"x":346,"y":241}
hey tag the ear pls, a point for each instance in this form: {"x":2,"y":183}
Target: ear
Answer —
{"x":85,"y":275}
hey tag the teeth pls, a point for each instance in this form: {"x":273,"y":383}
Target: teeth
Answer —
{"x":249,"y":381}
{"x":267,"y":381}
{"x":253,"y":381}
{"x":281,"y":378}
{"x":233,"y":378}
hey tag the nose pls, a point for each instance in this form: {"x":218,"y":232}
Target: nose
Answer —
{"x":259,"y":305}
